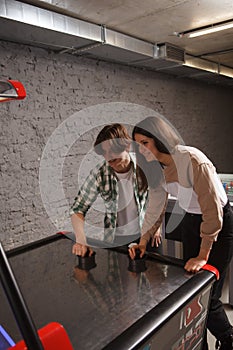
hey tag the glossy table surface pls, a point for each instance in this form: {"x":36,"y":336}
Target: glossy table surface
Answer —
{"x":94,"y":306}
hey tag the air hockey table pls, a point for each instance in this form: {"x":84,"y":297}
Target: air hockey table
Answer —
{"x":110,"y":307}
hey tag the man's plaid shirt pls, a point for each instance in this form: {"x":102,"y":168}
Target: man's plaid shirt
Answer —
{"x":103,"y":181}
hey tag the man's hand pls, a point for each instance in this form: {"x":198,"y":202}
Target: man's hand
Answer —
{"x":81,"y":250}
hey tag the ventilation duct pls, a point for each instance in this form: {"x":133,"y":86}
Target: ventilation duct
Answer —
{"x":122,"y":48}
{"x":20,"y":22}
{"x":171,"y":53}
{"x":28,"y":24}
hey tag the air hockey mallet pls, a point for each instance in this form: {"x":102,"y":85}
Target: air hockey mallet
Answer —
{"x":86,"y":262}
{"x":178,"y":262}
{"x":162,"y":258}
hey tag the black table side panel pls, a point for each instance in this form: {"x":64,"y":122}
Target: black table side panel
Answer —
{"x":135,"y":336}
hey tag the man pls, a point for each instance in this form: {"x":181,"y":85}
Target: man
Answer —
{"x":122,"y":186}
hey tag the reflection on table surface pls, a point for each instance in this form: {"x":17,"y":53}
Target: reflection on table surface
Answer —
{"x":94,"y":306}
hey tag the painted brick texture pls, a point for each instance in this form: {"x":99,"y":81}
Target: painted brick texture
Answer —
{"x":60,"y":86}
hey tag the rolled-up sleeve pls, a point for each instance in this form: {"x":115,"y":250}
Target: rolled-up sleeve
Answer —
{"x":86,"y":195}
{"x":209,"y":201}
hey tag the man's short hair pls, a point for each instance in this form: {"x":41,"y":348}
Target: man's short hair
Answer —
{"x":118,"y":138}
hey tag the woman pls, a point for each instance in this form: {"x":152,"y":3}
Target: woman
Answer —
{"x":207,"y":227}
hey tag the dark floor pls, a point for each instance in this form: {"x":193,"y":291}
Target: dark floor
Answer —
{"x":229,"y":311}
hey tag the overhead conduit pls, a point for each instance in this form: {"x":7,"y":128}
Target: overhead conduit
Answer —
{"x":24,"y":23}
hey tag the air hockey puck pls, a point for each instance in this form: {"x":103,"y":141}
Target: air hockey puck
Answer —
{"x":86,"y":262}
{"x":137,"y":264}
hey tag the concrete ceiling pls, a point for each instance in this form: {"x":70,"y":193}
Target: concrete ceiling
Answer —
{"x":152,"y":22}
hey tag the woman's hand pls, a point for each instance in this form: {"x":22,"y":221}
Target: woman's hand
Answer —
{"x":134,"y":247}
{"x":81,"y":250}
{"x":157,"y":239}
{"x":195,"y":264}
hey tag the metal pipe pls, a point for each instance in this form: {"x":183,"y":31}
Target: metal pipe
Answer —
{"x":18,"y":305}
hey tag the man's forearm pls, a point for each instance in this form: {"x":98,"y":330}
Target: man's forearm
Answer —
{"x":78,"y":221}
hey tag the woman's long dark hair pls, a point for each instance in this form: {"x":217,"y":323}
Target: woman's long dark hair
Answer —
{"x":151,"y":172}
{"x":165,"y":138}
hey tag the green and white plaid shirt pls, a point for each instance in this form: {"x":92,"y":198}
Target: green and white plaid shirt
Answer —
{"x":103,"y":181}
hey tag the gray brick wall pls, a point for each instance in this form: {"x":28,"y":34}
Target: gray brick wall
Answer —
{"x":68,"y":99}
